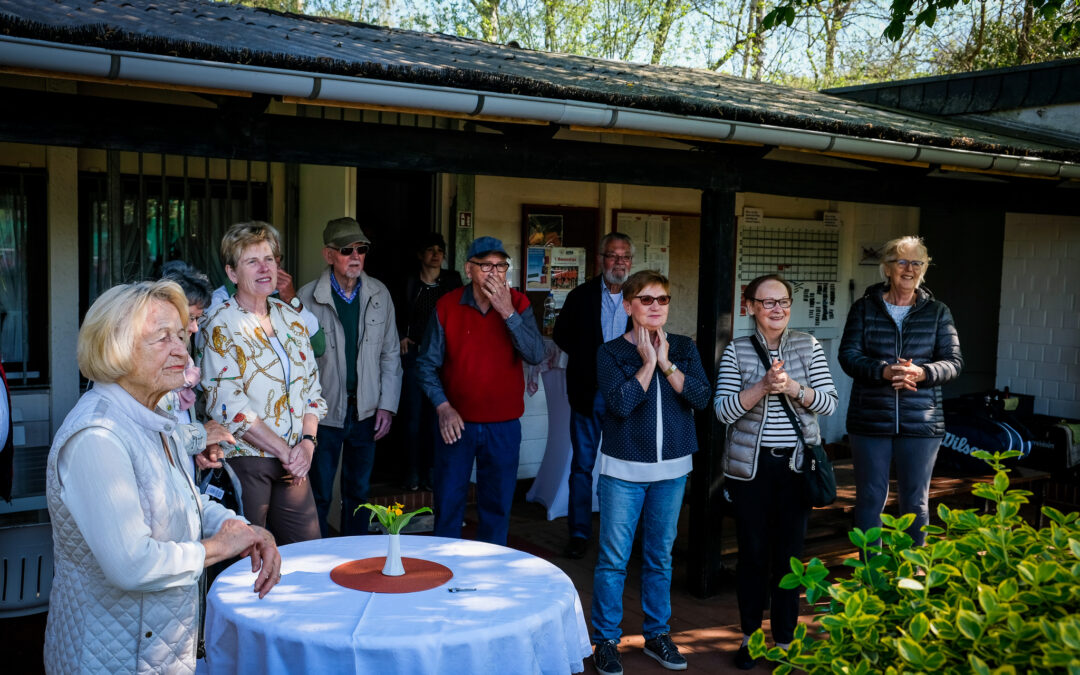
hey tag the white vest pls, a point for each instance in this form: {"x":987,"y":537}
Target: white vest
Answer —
{"x":94,"y":626}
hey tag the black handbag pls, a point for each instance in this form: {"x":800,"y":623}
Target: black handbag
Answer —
{"x":819,"y":479}
{"x":223,"y":485}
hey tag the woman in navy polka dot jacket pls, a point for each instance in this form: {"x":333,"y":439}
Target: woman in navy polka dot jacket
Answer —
{"x":652,"y":383}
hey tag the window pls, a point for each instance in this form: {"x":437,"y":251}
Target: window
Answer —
{"x":154,"y":219}
{"x":23,"y":278}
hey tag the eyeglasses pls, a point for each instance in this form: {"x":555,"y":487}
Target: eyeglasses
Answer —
{"x":769,"y":303}
{"x":659,"y":299}
{"x":914,"y":264}
{"x":618,"y":258}
{"x":487,"y":266}
{"x":348,"y":250}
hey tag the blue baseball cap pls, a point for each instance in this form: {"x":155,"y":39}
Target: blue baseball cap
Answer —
{"x":483,"y":246}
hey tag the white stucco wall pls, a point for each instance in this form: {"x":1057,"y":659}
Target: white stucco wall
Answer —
{"x":1039,"y":331}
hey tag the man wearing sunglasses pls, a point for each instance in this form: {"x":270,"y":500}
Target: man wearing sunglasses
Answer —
{"x":360,"y":371}
{"x":470,"y":366}
{"x":592,"y":315}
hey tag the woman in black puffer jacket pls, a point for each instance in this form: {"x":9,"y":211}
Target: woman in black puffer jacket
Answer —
{"x":900,"y":345}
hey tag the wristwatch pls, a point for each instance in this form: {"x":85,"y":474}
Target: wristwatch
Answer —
{"x":802,"y":392}
{"x":672,"y":369}
{"x":309,"y":437}
{"x":297,"y":305}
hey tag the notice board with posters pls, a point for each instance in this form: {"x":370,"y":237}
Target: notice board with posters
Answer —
{"x":806,"y":253}
{"x":668,"y":241}
{"x":559,"y":251}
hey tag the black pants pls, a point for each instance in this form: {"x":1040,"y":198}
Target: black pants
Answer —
{"x":770,"y":523}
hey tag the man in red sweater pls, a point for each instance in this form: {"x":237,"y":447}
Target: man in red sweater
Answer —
{"x":470,"y":366}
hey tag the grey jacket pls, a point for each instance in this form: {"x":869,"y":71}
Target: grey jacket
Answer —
{"x":378,"y":362}
{"x":744,"y":436}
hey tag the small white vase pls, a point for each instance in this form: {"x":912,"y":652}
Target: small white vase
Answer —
{"x":393,"y":566}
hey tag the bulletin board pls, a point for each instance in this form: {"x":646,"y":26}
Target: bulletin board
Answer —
{"x":806,"y":253}
{"x":668,"y":241}
{"x":558,"y":252}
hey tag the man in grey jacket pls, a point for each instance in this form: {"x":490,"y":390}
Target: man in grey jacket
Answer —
{"x":360,"y":371}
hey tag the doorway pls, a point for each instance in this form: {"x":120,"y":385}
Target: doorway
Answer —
{"x":395,"y":209}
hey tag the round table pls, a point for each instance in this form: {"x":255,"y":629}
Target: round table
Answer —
{"x":524,"y":616}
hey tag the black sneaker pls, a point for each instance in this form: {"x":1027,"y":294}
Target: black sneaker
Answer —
{"x":605,"y":658}
{"x":743,"y":660}
{"x":576,"y":547}
{"x":664,"y":650}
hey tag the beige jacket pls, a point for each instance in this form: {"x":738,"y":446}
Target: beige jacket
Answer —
{"x":243,"y":379}
{"x":378,"y":363}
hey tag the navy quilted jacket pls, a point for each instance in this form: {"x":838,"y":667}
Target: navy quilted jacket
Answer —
{"x":872,"y":340}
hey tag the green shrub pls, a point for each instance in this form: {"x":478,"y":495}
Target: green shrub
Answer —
{"x":988,"y":593}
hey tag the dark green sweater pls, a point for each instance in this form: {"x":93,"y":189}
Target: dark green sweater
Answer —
{"x":349,"y":315}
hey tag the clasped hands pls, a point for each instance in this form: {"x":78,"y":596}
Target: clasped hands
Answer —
{"x":652,"y":347}
{"x":777,"y":381}
{"x":904,"y":374}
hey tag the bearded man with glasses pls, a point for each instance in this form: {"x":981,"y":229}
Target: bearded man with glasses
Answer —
{"x":360,"y":371}
{"x":592,"y":315}
{"x":470,"y":366}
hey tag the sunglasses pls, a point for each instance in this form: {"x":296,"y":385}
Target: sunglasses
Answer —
{"x":659,"y":299}
{"x":348,"y":250}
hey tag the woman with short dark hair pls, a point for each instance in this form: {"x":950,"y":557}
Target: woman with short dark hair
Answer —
{"x":764,"y":451}
{"x":201,"y":439}
{"x":652,"y":382}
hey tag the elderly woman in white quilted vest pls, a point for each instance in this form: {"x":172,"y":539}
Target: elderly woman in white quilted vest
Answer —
{"x":764,"y":452}
{"x":131,"y":533}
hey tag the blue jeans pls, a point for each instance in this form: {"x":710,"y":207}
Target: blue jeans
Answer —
{"x":914,"y":457}
{"x":621,"y":504}
{"x":356,"y":443}
{"x":585,"y":439}
{"x":495,"y":446}
{"x":418,"y":418}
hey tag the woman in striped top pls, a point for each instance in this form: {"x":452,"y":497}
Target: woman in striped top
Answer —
{"x":763,"y":453}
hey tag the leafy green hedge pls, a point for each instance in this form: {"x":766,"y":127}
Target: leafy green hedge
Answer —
{"x":988,"y":593}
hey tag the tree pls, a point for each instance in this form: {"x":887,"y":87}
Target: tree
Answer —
{"x":910,"y":14}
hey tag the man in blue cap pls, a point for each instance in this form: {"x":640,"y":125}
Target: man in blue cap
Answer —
{"x":470,"y":366}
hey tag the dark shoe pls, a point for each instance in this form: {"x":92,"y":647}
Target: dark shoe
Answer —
{"x":412,"y":487}
{"x":664,"y":650}
{"x":743,"y":660}
{"x":605,"y":658}
{"x":576,"y":548}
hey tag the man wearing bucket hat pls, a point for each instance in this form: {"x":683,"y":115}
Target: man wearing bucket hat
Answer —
{"x":360,"y":371}
{"x":470,"y":366}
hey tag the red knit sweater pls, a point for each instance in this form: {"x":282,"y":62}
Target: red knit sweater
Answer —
{"x":481,"y":373}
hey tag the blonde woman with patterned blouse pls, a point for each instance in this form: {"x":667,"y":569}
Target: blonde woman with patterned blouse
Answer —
{"x":261,"y":382}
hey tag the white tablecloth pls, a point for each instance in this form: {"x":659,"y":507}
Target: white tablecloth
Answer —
{"x":524,"y":617}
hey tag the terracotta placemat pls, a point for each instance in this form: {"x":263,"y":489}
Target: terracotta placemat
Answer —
{"x":366,"y":575}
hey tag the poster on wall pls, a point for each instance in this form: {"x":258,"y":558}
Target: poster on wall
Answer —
{"x":545,"y":229}
{"x":536,"y":276}
{"x":566,"y":268}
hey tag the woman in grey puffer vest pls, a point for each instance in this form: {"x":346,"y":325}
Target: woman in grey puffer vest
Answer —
{"x":900,"y":345}
{"x":763,"y":451}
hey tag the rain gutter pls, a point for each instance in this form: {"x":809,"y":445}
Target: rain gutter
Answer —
{"x":95,"y":62}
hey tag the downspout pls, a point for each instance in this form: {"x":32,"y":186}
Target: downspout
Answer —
{"x":38,"y":55}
